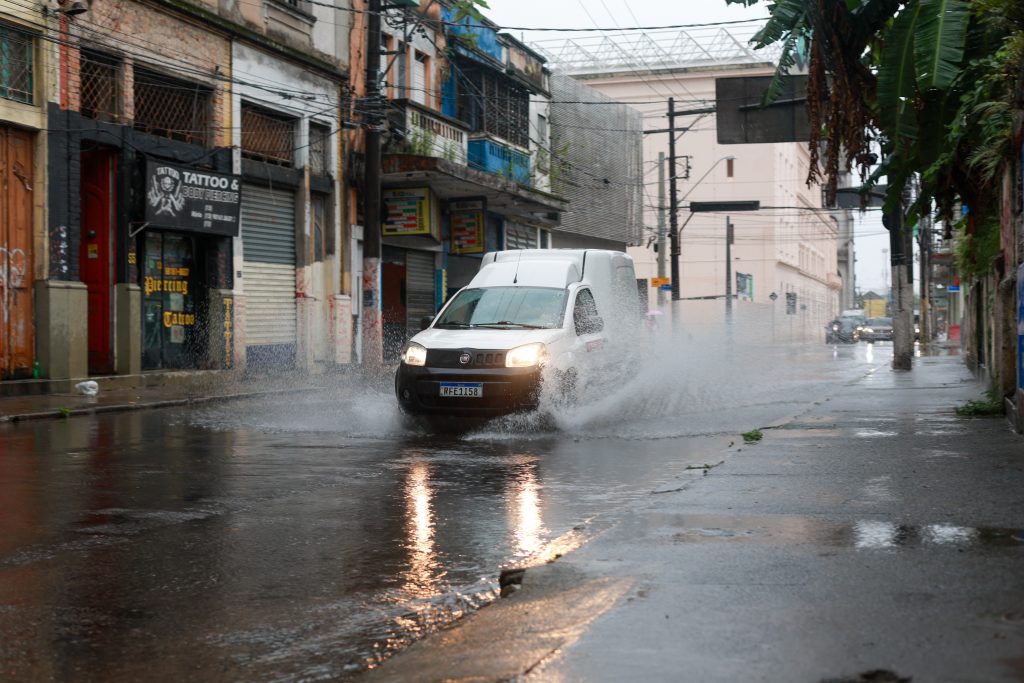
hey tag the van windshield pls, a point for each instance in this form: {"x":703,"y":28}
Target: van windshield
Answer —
{"x":511,"y":307}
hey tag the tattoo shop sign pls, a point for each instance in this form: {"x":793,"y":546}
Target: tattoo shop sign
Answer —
{"x":190,"y":199}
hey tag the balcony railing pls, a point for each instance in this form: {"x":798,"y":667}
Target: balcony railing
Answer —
{"x":432,"y":135}
{"x":487,"y":155}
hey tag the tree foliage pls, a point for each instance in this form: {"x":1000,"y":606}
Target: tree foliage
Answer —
{"x":897,"y":88}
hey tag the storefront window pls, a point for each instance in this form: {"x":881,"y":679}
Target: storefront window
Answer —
{"x":170,"y":282}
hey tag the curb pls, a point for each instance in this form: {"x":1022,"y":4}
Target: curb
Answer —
{"x":126,"y":407}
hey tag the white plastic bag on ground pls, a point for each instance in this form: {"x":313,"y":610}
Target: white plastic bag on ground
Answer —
{"x":88,"y":388}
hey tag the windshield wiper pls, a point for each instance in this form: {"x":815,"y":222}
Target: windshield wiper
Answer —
{"x":509,"y":323}
{"x":460,"y":326}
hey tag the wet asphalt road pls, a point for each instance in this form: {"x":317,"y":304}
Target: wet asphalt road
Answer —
{"x":306,"y":538}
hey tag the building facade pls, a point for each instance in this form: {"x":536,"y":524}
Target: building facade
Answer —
{"x":784,"y":263}
{"x":179,"y":204}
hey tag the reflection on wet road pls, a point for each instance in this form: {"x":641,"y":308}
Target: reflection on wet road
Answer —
{"x":260,"y":541}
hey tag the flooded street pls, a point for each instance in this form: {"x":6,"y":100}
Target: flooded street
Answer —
{"x":307,"y":537}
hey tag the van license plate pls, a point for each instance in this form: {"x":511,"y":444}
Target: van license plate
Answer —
{"x":462,"y":389}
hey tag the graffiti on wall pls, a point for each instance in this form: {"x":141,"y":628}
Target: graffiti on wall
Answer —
{"x":12,"y":276}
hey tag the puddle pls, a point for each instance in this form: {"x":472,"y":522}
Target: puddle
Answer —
{"x":862,"y":534}
{"x":873,"y":433}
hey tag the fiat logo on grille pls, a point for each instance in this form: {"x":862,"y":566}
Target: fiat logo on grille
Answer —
{"x":465,"y":358}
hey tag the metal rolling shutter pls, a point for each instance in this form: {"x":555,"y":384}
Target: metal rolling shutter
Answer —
{"x":268,"y":250}
{"x":419,"y":288}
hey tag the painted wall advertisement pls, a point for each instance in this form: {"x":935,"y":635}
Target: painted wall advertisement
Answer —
{"x":467,"y":226}
{"x":408,"y":211}
{"x":192,"y":199}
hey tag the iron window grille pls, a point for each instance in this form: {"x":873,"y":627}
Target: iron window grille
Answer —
{"x":172,"y":108}
{"x":491,"y":103}
{"x":99,"y":80}
{"x":319,"y":156}
{"x":17,"y":50}
{"x":267,"y":136}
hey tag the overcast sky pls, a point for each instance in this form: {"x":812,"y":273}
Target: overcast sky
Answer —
{"x":871,"y":237}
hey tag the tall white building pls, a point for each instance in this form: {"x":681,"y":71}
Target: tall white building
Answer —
{"x":788,"y":247}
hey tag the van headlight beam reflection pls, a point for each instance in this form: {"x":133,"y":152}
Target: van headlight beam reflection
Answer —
{"x":527,"y":356}
{"x":414,"y":354}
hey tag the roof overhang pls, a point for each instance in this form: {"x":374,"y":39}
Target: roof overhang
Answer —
{"x":450,"y":180}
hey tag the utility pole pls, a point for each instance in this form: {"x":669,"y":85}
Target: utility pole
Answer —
{"x":373,"y":338}
{"x":673,"y":198}
{"x":728,"y":271}
{"x":661,"y":224}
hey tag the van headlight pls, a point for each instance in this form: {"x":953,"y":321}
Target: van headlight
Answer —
{"x":414,"y":354}
{"x":526,"y":356}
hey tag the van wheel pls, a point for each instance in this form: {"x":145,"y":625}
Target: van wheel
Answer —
{"x":566,"y":388}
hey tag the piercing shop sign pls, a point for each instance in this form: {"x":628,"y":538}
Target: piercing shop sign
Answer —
{"x":192,"y":199}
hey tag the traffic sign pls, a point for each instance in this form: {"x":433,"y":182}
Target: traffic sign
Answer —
{"x":666,"y":288}
{"x":660,"y":281}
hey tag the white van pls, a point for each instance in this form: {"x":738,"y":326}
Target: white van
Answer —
{"x":528,"y":317}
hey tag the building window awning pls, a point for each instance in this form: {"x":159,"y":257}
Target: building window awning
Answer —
{"x":450,"y":180}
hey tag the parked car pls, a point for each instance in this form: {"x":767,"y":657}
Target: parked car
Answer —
{"x":528,"y":318}
{"x":842,"y":331}
{"x":877,"y":329}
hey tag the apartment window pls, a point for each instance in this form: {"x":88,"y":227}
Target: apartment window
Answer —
{"x":543,"y":155}
{"x":318,"y":203}
{"x":16,"y":64}
{"x":99,"y":78}
{"x":267,"y":136}
{"x":172,"y":108}
{"x":420,"y":78}
{"x":491,"y":103}
{"x":301,"y":5}
{"x":319,"y":156}
{"x":401,"y":66}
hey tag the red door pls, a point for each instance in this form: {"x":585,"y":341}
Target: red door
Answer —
{"x":96,"y":257}
{"x":16,"y":178}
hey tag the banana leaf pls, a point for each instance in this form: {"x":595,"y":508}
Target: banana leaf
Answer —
{"x":939,"y":42}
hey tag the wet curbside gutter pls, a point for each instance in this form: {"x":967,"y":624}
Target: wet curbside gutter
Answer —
{"x":513,"y":636}
{"x":50,"y":414}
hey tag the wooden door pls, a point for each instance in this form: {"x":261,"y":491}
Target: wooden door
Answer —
{"x":16,"y":178}
{"x":96,"y":255}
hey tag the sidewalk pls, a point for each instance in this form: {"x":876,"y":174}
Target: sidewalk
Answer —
{"x":183,"y":388}
{"x":877,"y":536}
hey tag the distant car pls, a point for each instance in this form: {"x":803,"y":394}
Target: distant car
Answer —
{"x":877,"y":329}
{"x":842,"y":331}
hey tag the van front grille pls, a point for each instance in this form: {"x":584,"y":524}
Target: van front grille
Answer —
{"x":478,"y":358}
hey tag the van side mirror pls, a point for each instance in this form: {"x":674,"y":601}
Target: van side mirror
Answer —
{"x":425,"y":321}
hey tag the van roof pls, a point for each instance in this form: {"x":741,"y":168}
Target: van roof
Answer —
{"x":572,"y":264}
{"x":558,"y":273}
